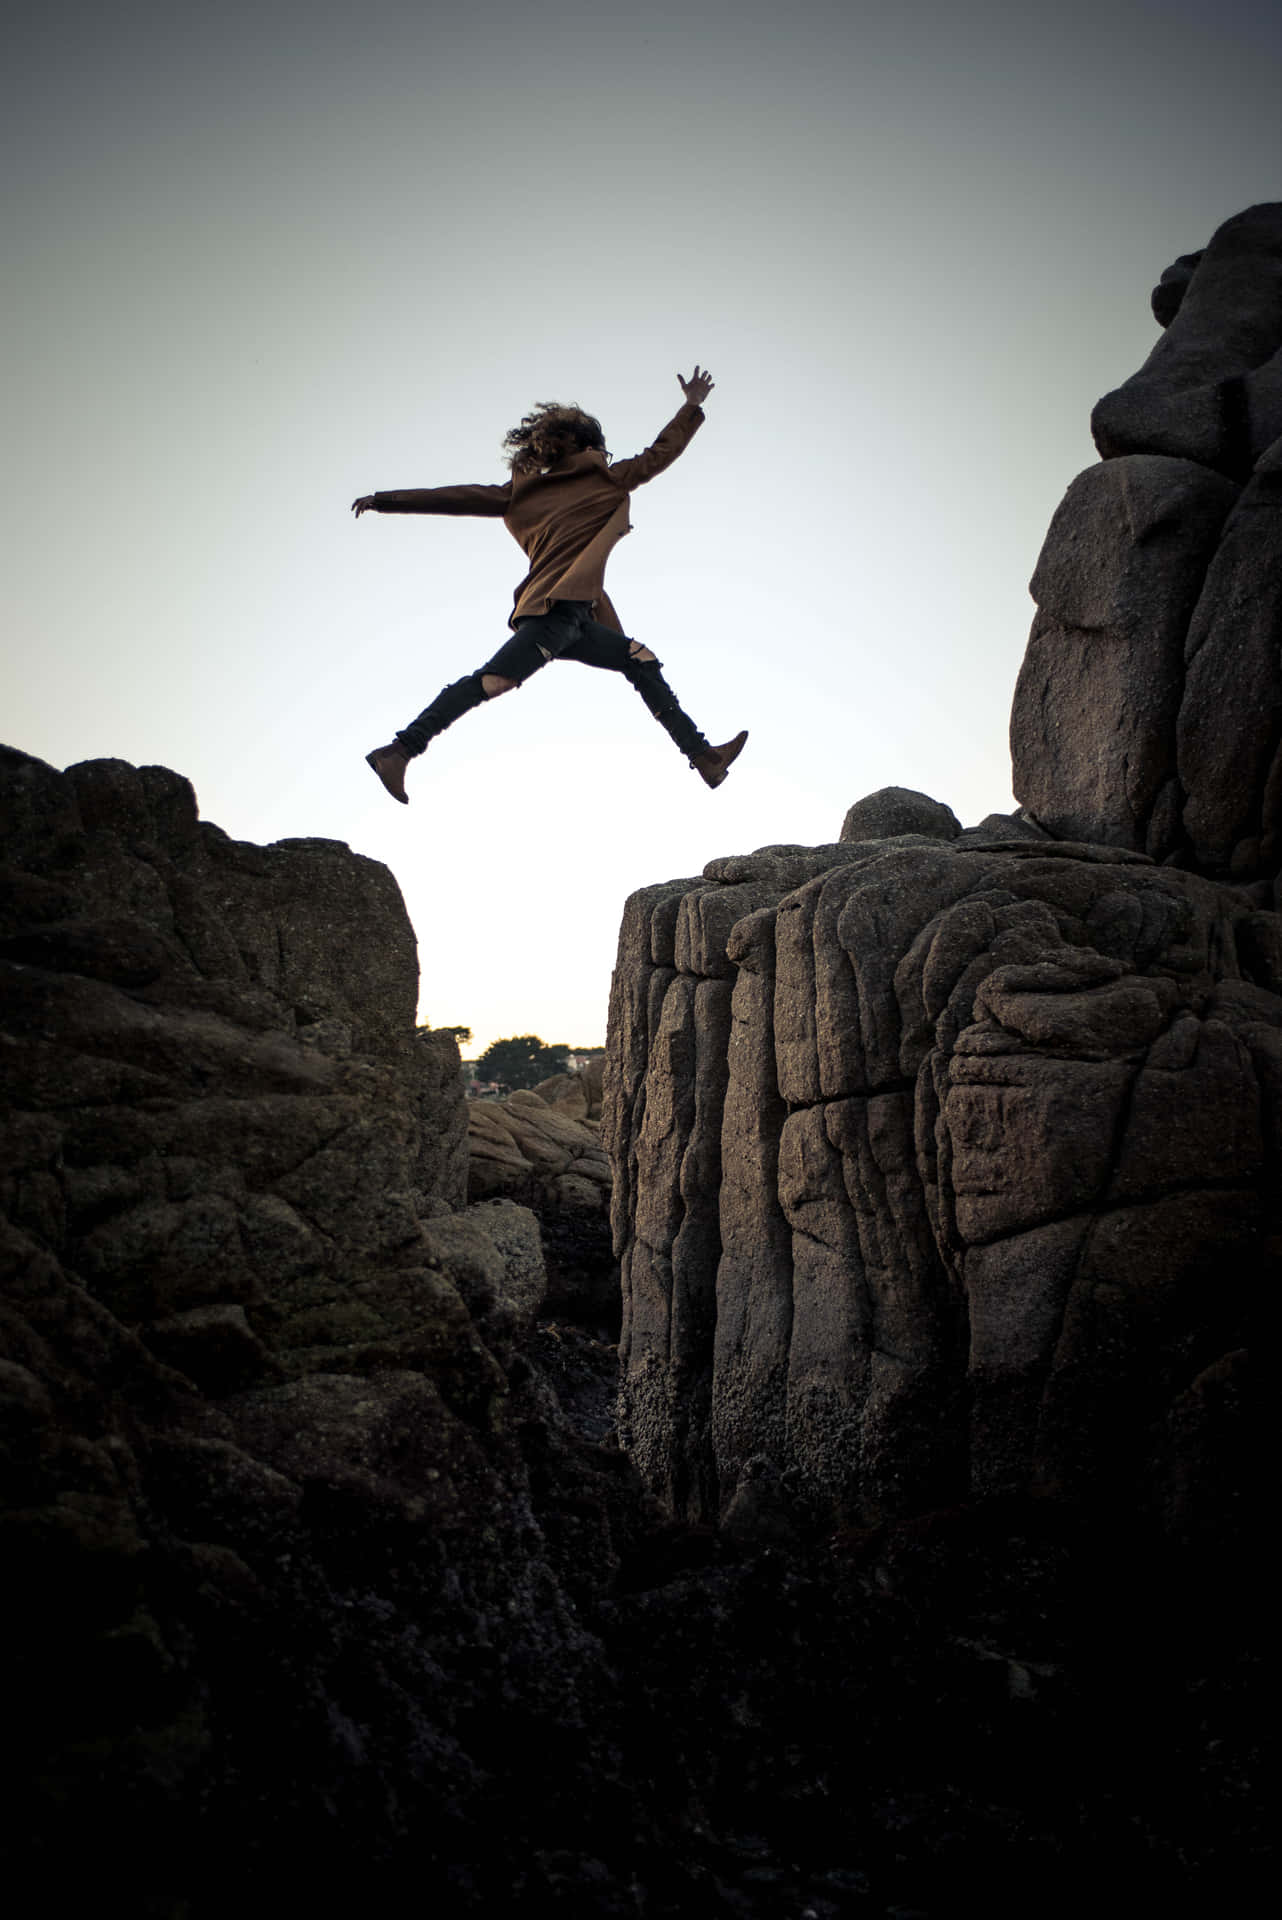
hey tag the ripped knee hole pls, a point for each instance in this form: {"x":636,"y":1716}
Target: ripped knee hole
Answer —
{"x":493,"y":684}
{"x":637,"y":652}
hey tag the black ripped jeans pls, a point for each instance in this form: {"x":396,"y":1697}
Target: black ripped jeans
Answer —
{"x":567,"y":632}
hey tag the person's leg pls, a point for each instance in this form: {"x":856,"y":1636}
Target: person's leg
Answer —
{"x":517,"y":659}
{"x":601,"y":646}
{"x":510,"y":667}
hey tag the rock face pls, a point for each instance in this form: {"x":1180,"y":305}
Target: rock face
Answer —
{"x":1148,"y":712}
{"x":277,"y":1567}
{"x":947,"y":1163}
{"x":537,"y":1152}
{"x":1211,"y":390}
{"x":541,"y":1150}
{"x":215,"y":1047}
{"x":577,"y":1095}
{"x":943,"y":1166}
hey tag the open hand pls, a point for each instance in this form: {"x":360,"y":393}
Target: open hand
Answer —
{"x":697,"y":388}
{"x":364,"y":505}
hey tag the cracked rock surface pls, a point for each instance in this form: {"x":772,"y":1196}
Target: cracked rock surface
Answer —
{"x":946,"y":1171}
{"x":272,"y":1458}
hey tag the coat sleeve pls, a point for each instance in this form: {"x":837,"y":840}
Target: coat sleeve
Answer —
{"x":490,"y":502}
{"x":674,"y":440}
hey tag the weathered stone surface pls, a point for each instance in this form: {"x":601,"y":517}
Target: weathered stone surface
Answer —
{"x":541,"y":1154}
{"x":1211,"y":390}
{"x":265,"y":1504}
{"x":210,"y":1053}
{"x":1171,"y":288}
{"x":576,"y":1096}
{"x":1230,"y":722}
{"x":524,"y":1147}
{"x":985,"y":1112}
{"x":896,"y":810}
{"x":322,"y":1566}
{"x":1148,"y":712}
{"x":1093,"y":723}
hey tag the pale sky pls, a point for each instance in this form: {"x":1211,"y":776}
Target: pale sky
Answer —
{"x":263,"y":258}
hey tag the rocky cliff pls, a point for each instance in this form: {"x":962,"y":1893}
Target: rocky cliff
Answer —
{"x":294,"y":1527}
{"x":947,"y":1162}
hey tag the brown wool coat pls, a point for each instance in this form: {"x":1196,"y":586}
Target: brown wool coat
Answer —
{"x":566,"y":520}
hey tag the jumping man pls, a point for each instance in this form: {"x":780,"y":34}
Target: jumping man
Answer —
{"x":566,"y":505}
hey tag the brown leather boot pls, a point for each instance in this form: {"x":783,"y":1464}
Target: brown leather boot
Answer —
{"x":713,"y":766}
{"x":389,"y":763}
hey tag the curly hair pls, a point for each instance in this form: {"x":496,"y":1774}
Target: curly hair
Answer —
{"x":547,"y":434}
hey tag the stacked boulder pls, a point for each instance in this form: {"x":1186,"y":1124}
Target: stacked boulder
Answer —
{"x":542,"y":1147}
{"x":1148,"y":714}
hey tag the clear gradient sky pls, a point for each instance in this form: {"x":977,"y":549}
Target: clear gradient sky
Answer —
{"x":263,"y":258}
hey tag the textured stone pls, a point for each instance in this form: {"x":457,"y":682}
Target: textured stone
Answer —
{"x":1148,"y":712}
{"x":953,"y":1072}
{"x":324,"y":1582}
{"x":525,"y":1146}
{"x":577,"y":1096}
{"x":1211,"y":390}
{"x":1093,"y":722}
{"x":214,"y":1346}
{"x":896,"y":810}
{"x":1171,"y":288}
{"x":1230,"y":722}
{"x":279,"y":1575}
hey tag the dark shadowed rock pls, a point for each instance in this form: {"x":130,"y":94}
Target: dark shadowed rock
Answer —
{"x":1211,"y":390}
{"x":263,"y":1406}
{"x":1230,"y":720}
{"x":1170,"y":290}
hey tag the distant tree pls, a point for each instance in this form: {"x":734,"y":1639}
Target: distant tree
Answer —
{"x":522,"y":1061}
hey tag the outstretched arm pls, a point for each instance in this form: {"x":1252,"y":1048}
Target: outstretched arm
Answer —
{"x":674,"y":439}
{"x":490,"y":502}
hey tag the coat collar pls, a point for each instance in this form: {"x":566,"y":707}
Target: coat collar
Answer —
{"x":590,"y":459}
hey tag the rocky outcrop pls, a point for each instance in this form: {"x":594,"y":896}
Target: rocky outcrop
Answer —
{"x":217,"y":1089}
{"x":1211,"y":390}
{"x":576,"y":1095}
{"x":947,"y":1163}
{"x":542,"y":1149}
{"x":294,"y":1523}
{"x":943,"y":1166}
{"x":534,"y":1151}
{"x":1148,"y":712}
